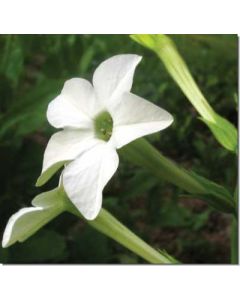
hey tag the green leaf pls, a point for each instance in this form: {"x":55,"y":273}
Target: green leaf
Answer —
{"x":15,"y":64}
{"x":45,"y":176}
{"x":12,"y":61}
{"x":86,"y":60}
{"x":28,"y":113}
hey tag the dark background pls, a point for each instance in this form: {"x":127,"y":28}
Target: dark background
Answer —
{"x":33,"y":69}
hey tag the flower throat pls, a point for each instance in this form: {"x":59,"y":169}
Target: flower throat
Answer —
{"x":103,"y":125}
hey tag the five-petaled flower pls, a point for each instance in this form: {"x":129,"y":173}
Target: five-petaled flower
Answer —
{"x":97,"y":120}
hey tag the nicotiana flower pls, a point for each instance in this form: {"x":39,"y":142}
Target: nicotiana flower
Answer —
{"x":97,"y":119}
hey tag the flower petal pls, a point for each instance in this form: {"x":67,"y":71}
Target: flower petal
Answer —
{"x":135,"y":117}
{"x":28,"y":220}
{"x":75,"y":106}
{"x":62,"y":147}
{"x":85,"y":178}
{"x":114,"y":76}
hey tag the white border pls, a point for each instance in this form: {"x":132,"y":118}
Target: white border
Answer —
{"x":119,"y":16}
{"x":120,"y":282}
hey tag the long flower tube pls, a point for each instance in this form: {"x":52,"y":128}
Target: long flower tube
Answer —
{"x":47,"y":206}
{"x":107,"y":224}
{"x":223,"y":130}
{"x":142,"y":153}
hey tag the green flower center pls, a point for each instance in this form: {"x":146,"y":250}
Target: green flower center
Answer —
{"x":103,"y":125}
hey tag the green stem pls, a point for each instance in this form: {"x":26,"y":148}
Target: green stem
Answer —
{"x":234,"y":234}
{"x":110,"y":226}
{"x":234,"y":241}
{"x":142,"y":153}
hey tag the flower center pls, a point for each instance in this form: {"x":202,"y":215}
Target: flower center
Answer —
{"x":103,"y":125}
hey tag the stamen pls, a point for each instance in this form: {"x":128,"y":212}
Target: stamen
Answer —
{"x":103,"y":125}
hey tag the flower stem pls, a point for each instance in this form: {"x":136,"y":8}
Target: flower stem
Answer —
{"x":110,"y":226}
{"x":234,"y":241}
{"x":234,"y":234}
{"x":223,"y":130}
{"x":142,"y":153}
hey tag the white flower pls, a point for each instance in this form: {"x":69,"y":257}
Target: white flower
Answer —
{"x":28,"y":220}
{"x":96,"y":120}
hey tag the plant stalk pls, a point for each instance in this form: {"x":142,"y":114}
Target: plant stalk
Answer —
{"x":142,"y":153}
{"x":234,"y":235}
{"x":223,"y":130}
{"x":110,"y":226}
{"x":234,"y":242}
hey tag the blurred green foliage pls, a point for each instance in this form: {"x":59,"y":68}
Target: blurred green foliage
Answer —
{"x":32,"y":71}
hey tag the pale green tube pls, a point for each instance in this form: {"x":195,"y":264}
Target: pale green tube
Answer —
{"x":223,"y":130}
{"x":142,"y":153}
{"x":110,"y":226}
